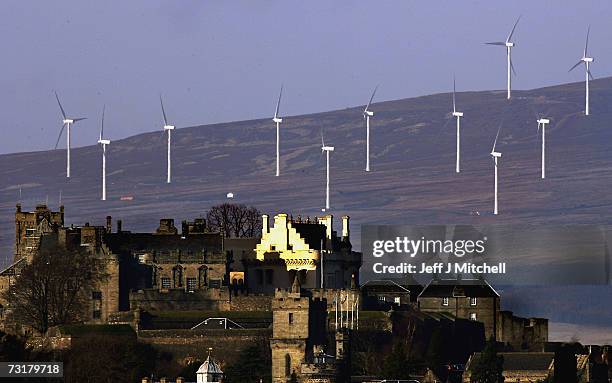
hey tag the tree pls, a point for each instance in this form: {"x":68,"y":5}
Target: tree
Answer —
{"x":253,"y":364}
{"x":234,"y":220}
{"x":489,"y":367}
{"x":565,"y":364}
{"x":55,"y":288}
{"x":397,"y":364}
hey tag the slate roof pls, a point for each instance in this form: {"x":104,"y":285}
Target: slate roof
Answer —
{"x":209,"y":366}
{"x":440,"y":288}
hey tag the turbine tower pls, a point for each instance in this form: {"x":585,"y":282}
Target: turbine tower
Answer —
{"x":278,"y":120}
{"x":458,"y":115}
{"x":587,"y":63}
{"x":66,"y":123}
{"x":167,"y":128}
{"x":542,"y":122}
{"x":103,"y":142}
{"x":509,"y":45}
{"x":367,"y":113}
{"x":327,"y":150}
{"x":496,"y":156}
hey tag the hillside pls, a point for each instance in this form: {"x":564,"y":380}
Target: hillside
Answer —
{"x":412,"y":178}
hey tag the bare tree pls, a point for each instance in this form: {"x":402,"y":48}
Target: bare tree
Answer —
{"x":235,"y":220}
{"x":55,"y":288}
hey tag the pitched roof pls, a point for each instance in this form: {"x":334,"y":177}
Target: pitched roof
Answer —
{"x":440,"y":288}
{"x":209,"y":366}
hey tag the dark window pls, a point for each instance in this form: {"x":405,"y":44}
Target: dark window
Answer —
{"x":96,"y":295}
{"x":290,"y":318}
{"x":287,"y":365}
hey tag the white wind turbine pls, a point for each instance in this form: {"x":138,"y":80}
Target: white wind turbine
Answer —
{"x":167,"y":128}
{"x":367,"y":113}
{"x":496,"y":156}
{"x":509,"y":45}
{"x":278,"y":120}
{"x":458,"y":115}
{"x":103,"y":142}
{"x":327,"y":150}
{"x":543,"y":122}
{"x":66,"y":123}
{"x":587,"y":63}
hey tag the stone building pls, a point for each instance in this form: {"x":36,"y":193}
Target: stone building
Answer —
{"x":477,"y":300}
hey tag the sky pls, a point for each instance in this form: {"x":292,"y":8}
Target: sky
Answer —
{"x":218,"y":61}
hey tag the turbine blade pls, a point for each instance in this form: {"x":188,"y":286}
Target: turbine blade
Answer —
{"x":371,"y":98}
{"x":586,"y":45}
{"x":590,"y":75}
{"x":497,"y":43}
{"x":278,"y":103}
{"x":79,"y":119}
{"x":163,"y":110}
{"x":60,"y":105}
{"x":102,"y":125}
{"x":322,"y":141}
{"x":575,"y":66}
{"x":513,"y":28}
{"x":59,"y":136}
{"x":538,"y":128}
{"x":512,"y":66}
{"x":496,"y":136}
{"x":454,"y":90}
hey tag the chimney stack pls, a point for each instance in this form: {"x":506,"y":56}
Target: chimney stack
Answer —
{"x":265,"y":224}
{"x":346,"y":233}
{"x":109,"y":223}
{"x":328,"y":221}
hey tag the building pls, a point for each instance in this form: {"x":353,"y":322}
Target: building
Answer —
{"x":519,"y":367}
{"x":472,"y":299}
{"x":209,"y":372}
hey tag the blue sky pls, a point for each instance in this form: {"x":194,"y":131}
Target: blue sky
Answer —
{"x":224,"y":61}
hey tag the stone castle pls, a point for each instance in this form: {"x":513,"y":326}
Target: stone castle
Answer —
{"x":300,"y":270}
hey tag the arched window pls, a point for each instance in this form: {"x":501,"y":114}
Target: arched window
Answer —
{"x":202,"y":277}
{"x":177,"y":276}
{"x":287,"y":365}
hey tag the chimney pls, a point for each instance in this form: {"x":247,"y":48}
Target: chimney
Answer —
{"x":119,"y":226}
{"x":346,"y":233}
{"x":109,"y":223}
{"x":18,"y":208}
{"x":265,"y":224}
{"x":328,"y":221}
{"x":180,"y":380}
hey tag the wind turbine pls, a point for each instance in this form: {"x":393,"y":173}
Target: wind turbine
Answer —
{"x":167,"y":128}
{"x":542,"y":122}
{"x":278,"y":120}
{"x":102,"y":141}
{"x":66,"y":123}
{"x":509,"y":45}
{"x":496,"y":156}
{"x":327,"y":150}
{"x":587,"y":63}
{"x":458,"y":115}
{"x":367,"y":114}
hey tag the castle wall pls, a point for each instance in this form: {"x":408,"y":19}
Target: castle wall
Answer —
{"x":180,"y":300}
{"x":518,"y":333}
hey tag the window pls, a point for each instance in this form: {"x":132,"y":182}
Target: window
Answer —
{"x":290,"y":318}
{"x":382,"y":298}
{"x":473,"y":301}
{"x":287,"y":365}
{"x":473,"y":316}
{"x":397,"y":300}
{"x":96,"y":295}
{"x":445,"y":301}
{"x":165,"y":283}
{"x":191,"y":284}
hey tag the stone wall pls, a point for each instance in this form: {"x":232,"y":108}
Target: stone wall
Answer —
{"x":180,"y":300}
{"x":528,"y":334}
{"x":251,"y":303}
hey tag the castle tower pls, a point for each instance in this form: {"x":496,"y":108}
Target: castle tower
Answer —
{"x":290,"y":332}
{"x":30,"y":225}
